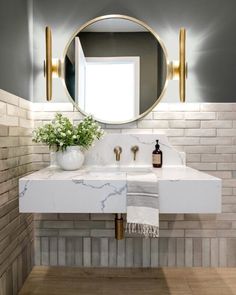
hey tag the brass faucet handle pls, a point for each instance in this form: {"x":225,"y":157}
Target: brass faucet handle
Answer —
{"x":117,"y":151}
{"x":134,"y":150}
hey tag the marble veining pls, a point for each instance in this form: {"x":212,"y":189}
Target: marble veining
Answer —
{"x":25,"y":188}
{"x":115,"y":193}
{"x":137,"y":138}
{"x":102,"y":153}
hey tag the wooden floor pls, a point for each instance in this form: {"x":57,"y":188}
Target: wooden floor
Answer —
{"x":93,"y":281}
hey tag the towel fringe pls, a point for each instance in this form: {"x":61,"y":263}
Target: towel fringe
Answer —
{"x":147,"y":230}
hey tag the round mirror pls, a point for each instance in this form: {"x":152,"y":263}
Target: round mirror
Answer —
{"x":115,"y":68}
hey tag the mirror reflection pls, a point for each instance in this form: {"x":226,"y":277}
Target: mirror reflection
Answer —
{"x":115,"y":69}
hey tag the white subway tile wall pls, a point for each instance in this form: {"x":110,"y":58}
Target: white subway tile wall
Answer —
{"x":16,"y":158}
{"x":205,"y":131}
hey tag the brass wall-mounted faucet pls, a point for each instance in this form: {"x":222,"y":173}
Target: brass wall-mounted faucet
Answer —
{"x":118,"y":151}
{"x":134,"y":150}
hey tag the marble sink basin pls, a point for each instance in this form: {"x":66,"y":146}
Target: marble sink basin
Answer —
{"x":119,"y":169}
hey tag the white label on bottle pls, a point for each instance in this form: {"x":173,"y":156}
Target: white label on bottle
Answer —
{"x":156,"y":159}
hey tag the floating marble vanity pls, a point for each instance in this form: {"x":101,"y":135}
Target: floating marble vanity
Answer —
{"x":101,"y":186}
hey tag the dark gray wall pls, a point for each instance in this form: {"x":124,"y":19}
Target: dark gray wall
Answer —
{"x":15,"y":55}
{"x":211,"y":39}
{"x":211,"y":42}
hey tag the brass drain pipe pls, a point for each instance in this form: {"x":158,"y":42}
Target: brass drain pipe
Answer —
{"x":119,"y":227}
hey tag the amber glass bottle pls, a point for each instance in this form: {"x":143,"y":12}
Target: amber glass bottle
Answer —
{"x":157,"y":156}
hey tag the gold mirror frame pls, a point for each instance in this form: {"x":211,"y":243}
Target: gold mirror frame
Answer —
{"x":174,"y":69}
{"x":133,"y":20}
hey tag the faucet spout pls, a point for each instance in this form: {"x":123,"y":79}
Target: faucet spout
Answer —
{"x":134,"y":150}
{"x":117,"y":151}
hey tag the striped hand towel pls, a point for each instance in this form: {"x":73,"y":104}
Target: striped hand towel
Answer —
{"x":142,"y":204}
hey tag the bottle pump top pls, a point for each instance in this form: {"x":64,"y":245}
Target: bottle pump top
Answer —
{"x":157,"y":145}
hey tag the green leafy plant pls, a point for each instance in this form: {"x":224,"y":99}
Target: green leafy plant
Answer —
{"x":61,"y":133}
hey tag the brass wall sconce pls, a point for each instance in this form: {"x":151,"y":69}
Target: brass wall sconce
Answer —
{"x":178,"y":69}
{"x":52,"y":67}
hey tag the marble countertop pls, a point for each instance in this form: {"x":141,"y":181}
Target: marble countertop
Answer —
{"x":181,"y":189}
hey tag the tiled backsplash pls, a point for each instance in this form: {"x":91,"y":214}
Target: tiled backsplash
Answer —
{"x":207,"y":133}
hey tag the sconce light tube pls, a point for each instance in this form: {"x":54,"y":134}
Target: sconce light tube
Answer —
{"x":178,"y":69}
{"x":52,"y":66}
{"x":48,"y":64}
{"x":182,"y":64}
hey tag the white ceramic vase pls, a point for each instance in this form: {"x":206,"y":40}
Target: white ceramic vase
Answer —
{"x":70,"y":159}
